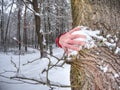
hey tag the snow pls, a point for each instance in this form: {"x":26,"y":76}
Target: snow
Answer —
{"x":37,"y":14}
{"x":109,"y":35}
{"x":116,"y":75}
{"x":89,"y":41}
{"x":104,"y":68}
{"x":92,"y":39}
{"x":58,"y":75}
{"x":117,"y":50}
{"x":14,"y":38}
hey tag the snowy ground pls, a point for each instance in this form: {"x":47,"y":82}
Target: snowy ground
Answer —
{"x":58,"y":75}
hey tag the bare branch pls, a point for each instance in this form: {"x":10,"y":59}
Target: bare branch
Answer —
{"x":28,"y":62}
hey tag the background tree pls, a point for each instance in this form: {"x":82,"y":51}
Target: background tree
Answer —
{"x":19,"y":23}
{"x":6,"y":41}
{"x":25,"y":30}
{"x":2,"y":23}
{"x":85,"y":67}
{"x":37,"y":23}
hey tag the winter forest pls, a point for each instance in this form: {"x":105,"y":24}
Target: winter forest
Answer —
{"x":30,"y":58}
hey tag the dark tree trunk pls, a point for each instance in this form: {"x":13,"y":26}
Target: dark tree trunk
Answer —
{"x":37,"y":24}
{"x":85,"y":67}
{"x":25,"y":30}
{"x":2,"y":24}
{"x":18,"y":32}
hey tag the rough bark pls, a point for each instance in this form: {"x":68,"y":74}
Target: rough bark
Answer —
{"x":85,"y":67}
{"x":86,"y":72}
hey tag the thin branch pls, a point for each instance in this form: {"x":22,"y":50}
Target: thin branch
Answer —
{"x":30,"y":8}
{"x":11,"y":82}
{"x":28,"y":62}
{"x":14,"y":64}
{"x":40,"y":82}
{"x":5,"y":71}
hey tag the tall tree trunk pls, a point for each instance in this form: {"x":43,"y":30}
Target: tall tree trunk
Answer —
{"x":45,"y":25}
{"x":37,"y":24}
{"x":6,"y":43}
{"x":18,"y":32}
{"x":2,"y":24}
{"x":25,"y":30}
{"x":19,"y":23}
{"x":49,"y":29}
{"x":85,"y":67}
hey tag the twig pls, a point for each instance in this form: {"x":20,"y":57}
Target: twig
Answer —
{"x":28,"y":62}
{"x":39,"y":82}
{"x":11,"y":82}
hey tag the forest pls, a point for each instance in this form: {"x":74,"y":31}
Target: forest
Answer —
{"x":30,"y":58}
{"x":19,"y":18}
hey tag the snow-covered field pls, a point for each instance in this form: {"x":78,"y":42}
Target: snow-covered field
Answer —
{"x":32,"y":70}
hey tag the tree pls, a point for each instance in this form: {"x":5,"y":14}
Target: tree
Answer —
{"x":85,"y":67}
{"x":25,"y":30}
{"x":37,"y":24}
{"x":6,"y":43}
{"x":2,"y":24}
{"x":19,"y":23}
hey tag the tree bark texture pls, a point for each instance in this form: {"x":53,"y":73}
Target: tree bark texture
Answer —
{"x":86,"y":73}
{"x":100,"y":14}
{"x":37,"y":24}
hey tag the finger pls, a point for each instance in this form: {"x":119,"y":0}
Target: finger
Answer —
{"x":66,"y":50}
{"x":77,"y":36}
{"x":76,"y":42}
{"x":72,"y":47}
{"x":74,"y":29}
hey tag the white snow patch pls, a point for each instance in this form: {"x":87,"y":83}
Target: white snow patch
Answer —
{"x":92,"y":39}
{"x":116,"y":75}
{"x":14,"y":38}
{"x":117,"y":50}
{"x":104,"y":68}
{"x":37,"y":14}
{"x":109,"y":35}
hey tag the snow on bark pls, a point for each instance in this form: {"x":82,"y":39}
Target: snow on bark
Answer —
{"x":94,"y":39}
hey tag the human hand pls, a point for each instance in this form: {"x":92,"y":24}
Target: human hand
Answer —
{"x":68,"y":40}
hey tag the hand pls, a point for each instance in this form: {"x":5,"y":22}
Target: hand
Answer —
{"x":67,"y":40}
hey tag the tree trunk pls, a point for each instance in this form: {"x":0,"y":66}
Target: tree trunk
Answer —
{"x":25,"y":30}
{"x":37,"y":24}
{"x":85,"y":67}
{"x":18,"y":32}
{"x":45,"y":25}
{"x":6,"y":42}
{"x":2,"y":24}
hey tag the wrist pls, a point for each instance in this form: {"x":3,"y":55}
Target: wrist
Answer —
{"x":59,"y":41}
